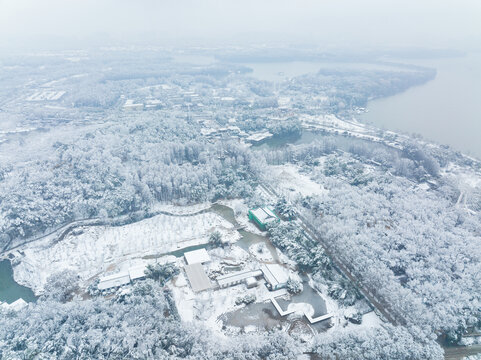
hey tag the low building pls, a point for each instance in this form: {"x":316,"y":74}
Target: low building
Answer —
{"x":153,"y":104}
{"x":251,"y":282}
{"x":258,"y":137}
{"x":275,"y":276}
{"x":137,"y":273}
{"x":199,"y":281}
{"x":237,"y":278}
{"x":199,"y":256}
{"x":113,"y":281}
{"x":262,"y":216}
{"x":130,"y":105}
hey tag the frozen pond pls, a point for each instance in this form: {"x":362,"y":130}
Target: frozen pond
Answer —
{"x":248,"y":239}
{"x":308,"y":296}
{"x":226,"y":212}
{"x":264,"y":316}
{"x":261,"y":315}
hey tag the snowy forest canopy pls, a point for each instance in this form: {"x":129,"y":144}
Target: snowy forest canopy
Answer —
{"x":391,"y":211}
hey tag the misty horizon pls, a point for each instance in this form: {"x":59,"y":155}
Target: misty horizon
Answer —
{"x":376,"y":24}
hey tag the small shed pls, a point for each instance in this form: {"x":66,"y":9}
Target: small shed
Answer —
{"x":199,"y":256}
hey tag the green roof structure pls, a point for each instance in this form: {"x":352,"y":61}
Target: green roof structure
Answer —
{"x":262,"y":216}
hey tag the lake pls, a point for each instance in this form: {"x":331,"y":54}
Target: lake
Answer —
{"x":446,"y":110}
{"x":9,"y":289}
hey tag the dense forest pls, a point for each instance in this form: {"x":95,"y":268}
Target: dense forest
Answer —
{"x":391,"y":209}
{"x":143,"y":324}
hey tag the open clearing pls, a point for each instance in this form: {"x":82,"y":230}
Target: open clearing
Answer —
{"x":99,"y":248}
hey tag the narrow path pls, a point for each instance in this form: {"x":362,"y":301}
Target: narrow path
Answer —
{"x":64,"y":230}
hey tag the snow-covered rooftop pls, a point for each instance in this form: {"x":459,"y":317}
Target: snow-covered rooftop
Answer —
{"x":197,"y":256}
{"x":274,"y":274}
{"x":137,"y":272}
{"x":259,"y":136}
{"x":237,"y":277}
{"x":264,"y":214}
{"x":110,"y":281}
{"x":198,"y":279}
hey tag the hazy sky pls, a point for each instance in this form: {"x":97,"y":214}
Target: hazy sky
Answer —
{"x":424,"y":23}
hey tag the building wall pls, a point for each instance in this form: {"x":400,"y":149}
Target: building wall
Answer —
{"x":260,"y":224}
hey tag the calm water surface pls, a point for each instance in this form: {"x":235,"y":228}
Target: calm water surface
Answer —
{"x":9,"y":289}
{"x":446,"y":109}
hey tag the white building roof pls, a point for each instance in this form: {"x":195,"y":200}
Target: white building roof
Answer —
{"x":251,"y":281}
{"x":233,"y":278}
{"x":198,"y":279}
{"x":274,"y":274}
{"x":197,"y":256}
{"x":137,"y":272}
{"x":115,"y":280}
{"x":259,"y":136}
{"x":264,"y":215}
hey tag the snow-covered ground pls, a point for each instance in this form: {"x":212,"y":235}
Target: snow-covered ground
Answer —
{"x":261,"y":253}
{"x":290,"y":182}
{"x":467,"y":180}
{"x":331,"y":121}
{"x":208,"y":305}
{"x":100,"y":249}
{"x":46,"y":95}
{"x":240,"y":209}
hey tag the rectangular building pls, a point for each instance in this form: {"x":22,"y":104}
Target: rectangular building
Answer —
{"x":275,"y":276}
{"x":115,"y":280}
{"x":199,"y":281}
{"x":262,"y":216}
{"x":237,"y":277}
{"x":197,"y":256}
{"x":136,"y":273}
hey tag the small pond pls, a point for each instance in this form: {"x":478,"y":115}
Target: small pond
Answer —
{"x":308,"y":296}
{"x":261,"y":315}
{"x":248,"y":239}
{"x":10,"y":291}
